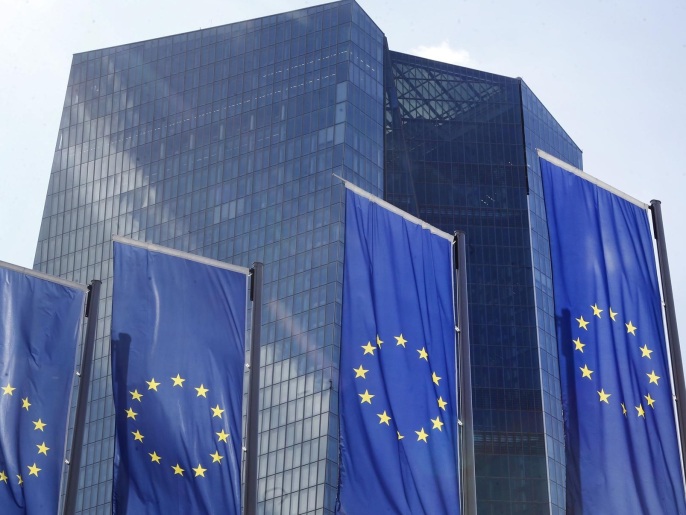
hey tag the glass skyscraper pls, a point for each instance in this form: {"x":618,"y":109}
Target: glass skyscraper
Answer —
{"x":460,"y":152}
{"x":224,"y":142}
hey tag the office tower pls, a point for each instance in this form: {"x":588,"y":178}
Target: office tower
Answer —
{"x":224,"y":142}
{"x":460,"y":153}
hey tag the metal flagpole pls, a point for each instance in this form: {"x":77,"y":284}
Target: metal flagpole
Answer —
{"x":670,"y":315}
{"x":467,"y":464}
{"x":92,"y":308}
{"x":250,"y":501}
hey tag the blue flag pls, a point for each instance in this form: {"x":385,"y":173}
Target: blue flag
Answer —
{"x":621,"y":441}
{"x":178,"y":344}
{"x":40,"y":322}
{"x":398,"y":410}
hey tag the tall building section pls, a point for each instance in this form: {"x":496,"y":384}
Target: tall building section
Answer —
{"x":460,"y":153}
{"x":541,"y":131}
{"x":224,"y":142}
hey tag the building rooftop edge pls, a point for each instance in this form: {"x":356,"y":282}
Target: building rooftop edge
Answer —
{"x":426,"y":59}
{"x":285,"y":13}
{"x":554,"y":118}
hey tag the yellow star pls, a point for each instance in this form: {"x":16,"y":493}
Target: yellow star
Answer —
{"x":33,"y":470}
{"x":437,"y":423}
{"x":641,"y":412}
{"x":366,"y":397}
{"x":43,"y":449}
{"x":379,"y":341}
{"x":421,"y":435}
{"x":154,"y":457}
{"x":39,"y":425}
{"x":217,"y":411}
{"x":136,"y":396}
{"x":3,"y":476}
{"x":178,"y":380}
{"x":25,"y":404}
{"x":582,"y":323}
{"x":216,"y":457}
{"x":400,"y":437}
{"x":423,"y":354}
{"x":585,"y":372}
{"x":222,"y":436}
{"x":650,"y":400}
{"x":645,"y":351}
{"x":596,"y":310}
{"x":604,"y":396}
{"x":21,"y":481}
{"x":400,"y":340}
{"x":613,"y":315}
{"x":578,"y":345}
{"x":137,"y":435}
{"x":369,"y":348}
{"x":178,"y":470}
{"x":435,"y":378}
{"x":131,"y":414}
{"x":7,"y":390}
{"x":152,"y":384}
{"x":384,"y":418}
{"x":360,"y":372}
{"x":631,"y":328}
{"x":199,"y":471}
{"x":624,"y":409}
{"x":441,"y":403}
{"x":201,"y":391}
{"x":653,"y":378}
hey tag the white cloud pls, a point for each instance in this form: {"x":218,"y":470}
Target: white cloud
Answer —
{"x":444,"y":53}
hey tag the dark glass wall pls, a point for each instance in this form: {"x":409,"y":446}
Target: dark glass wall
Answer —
{"x":541,"y":131}
{"x":222,"y":142}
{"x":455,"y":155}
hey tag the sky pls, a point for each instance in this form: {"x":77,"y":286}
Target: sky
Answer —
{"x":611,"y":72}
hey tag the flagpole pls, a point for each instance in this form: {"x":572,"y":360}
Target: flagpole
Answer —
{"x":250,"y":501}
{"x":670,"y":315}
{"x":467,"y":463}
{"x":74,"y":463}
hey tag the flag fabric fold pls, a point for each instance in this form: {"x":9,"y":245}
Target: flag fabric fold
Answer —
{"x":398,"y":411}
{"x":40,"y":324}
{"x":178,"y":344}
{"x":621,"y":441}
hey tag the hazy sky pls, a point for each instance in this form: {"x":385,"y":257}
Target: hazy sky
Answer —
{"x":613,"y":73}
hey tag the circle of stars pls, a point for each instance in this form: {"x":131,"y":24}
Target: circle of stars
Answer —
{"x":631,"y":331}
{"x":177,"y":382}
{"x":11,"y":394}
{"x":385,"y":418}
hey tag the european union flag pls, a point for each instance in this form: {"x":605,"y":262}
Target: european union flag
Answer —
{"x":622,"y":448}
{"x":178,"y":344}
{"x":40,"y":322}
{"x":398,"y":411}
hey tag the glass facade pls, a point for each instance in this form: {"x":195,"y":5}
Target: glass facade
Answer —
{"x":460,"y":153}
{"x":224,"y":142}
{"x":541,"y":131}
